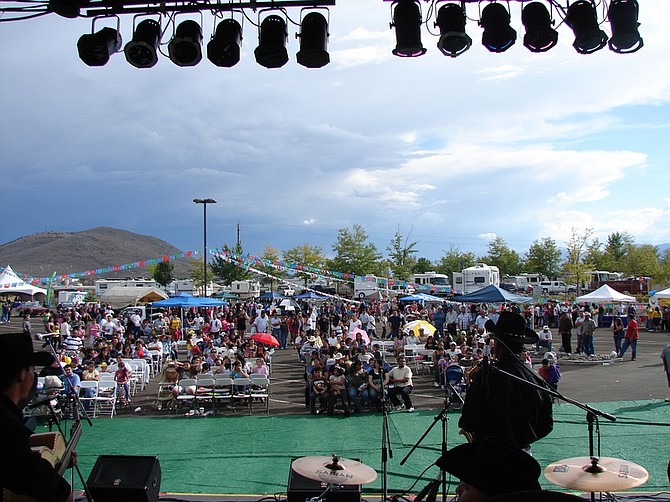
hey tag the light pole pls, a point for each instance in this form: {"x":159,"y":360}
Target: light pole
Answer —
{"x":204,"y":203}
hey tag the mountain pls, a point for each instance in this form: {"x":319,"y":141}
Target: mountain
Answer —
{"x":40,"y":255}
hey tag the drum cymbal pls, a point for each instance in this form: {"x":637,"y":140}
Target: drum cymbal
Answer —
{"x":334,"y":470}
{"x":610,"y":474}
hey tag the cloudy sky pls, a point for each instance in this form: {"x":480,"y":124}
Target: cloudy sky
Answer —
{"x":450,"y":151}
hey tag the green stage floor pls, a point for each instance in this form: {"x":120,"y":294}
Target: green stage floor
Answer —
{"x":252,"y":454}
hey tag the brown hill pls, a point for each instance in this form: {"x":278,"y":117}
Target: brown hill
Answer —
{"x":40,"y":255}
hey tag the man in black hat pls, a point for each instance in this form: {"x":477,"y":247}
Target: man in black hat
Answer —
{"x":497,"y":404}
{"x":22,"y":471}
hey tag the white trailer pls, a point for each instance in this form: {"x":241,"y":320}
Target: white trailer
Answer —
{"x":476,"y":277}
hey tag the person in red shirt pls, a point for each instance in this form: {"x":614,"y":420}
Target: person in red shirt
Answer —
{"x":630,"y":340}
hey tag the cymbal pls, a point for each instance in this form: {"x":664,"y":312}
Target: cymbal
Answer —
{"x":334,"y":470}
{"x":609,"y":474}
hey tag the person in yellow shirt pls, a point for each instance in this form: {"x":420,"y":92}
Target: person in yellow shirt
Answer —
{"x":175,"y":327}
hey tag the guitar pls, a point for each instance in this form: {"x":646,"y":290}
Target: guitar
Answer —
{"x":51,"y":447}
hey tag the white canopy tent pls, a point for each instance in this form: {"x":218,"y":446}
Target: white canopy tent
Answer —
{"x":605,"y":294}
{"x":10,"y":283}
{"x":122,"y":296}
{"x":662,"y":294}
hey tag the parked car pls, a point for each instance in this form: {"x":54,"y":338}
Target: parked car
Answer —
{"x":509,"y":287}
{"x":556,"y":287}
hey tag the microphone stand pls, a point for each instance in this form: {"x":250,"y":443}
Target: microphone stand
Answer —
{"x":387,"y":451}
{"x":592,"y":415}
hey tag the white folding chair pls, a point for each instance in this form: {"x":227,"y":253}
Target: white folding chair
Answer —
{"x":260,"y":389}
{"x":89,"y":387}
{"x":223,"y":389}
{"x":106,"y":398}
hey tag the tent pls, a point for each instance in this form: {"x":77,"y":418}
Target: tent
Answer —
{"x":122,"y":296}
{"x":605,"y":294}
{"x":270,"y":295}
{"x":492,"y":294}
{"x":663,"y":294}
{"x":10,"y":283}
{"x":421,"y":297}
{"x":310,"y":295}
{"x":186,"y":300}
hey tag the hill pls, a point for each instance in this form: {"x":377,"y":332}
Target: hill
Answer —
{"x":40,"y":255}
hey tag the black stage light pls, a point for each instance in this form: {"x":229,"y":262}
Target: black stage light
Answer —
{"x":65,"y":8}
{"x":313,"y":35}
{"x":224,"y":47}
{"x":271,"y":51}
{"x":583,"y":20}
{"x":453,"y":39}
{"x":185,"y":48}
{"x":623,"y":15}
{"x":142,"y":50}
{"x":95,"y":49}
{"x":407,"y":22}
{"x":498,"y":34}
{"x":540,"y":36}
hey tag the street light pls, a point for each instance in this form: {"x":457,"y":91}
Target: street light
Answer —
{"x":204,"y":203}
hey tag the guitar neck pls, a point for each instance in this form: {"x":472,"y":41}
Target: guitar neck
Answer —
{"x":71,"y":445}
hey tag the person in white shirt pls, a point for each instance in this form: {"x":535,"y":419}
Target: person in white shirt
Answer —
{"x":481,"y":319}
{"x":261,"y":323}
{"x":398,"y":381}
{"x":107,"y":327}
{"x":354,"y":323}
{"x":545,"y":339}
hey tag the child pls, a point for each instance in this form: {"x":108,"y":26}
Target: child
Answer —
{"x":551,"y":373}
{"x":122,"y":378}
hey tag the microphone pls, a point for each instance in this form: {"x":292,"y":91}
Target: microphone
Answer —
{"x":432,"y":494}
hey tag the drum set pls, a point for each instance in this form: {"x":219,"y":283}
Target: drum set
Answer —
{"x":586,"y":474}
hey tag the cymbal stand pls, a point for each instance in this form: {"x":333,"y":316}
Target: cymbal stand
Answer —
{"x":322,"y":497}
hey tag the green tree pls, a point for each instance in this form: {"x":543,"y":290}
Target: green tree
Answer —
{"x":596,"y":256}
{"x":307,"y":256}
{"x":227,"y":269}
{"x":544,"y":258}
{"x":615,"y":250}
{"x":270,"y":254}
{"x":423,"y":265}
{"x":500,"y":255}
{"x":402,"y":256}
{"x":162,"y":273}
{"x":354,"y":254}
{"x":454,"y":261}
{"x":196,"y":274}
{"x":663,"y":275}
{"x":576,"y":264}
{"x":641,"y":261}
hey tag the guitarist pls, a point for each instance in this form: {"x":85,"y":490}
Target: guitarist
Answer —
{"x":22,"y":471}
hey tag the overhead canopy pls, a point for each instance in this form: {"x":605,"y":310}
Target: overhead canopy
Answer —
{"x":421,"y":297}
{"x":663,"y":294}
{"x":492,"y":294}
{"x":605,"y":294}
{"x":10,"y":283}
{"x":310,"y":295}
{"x":122,"y":296}
{"x":270,"y":295}
{"x":186,"y":300}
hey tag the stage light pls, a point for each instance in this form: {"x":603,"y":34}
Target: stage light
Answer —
{"x":95,"y":49}
{"x":313,"y":35}
{"x":540,"y":36}
{"x":185,"y":48}
{"x":271,"y":51}
{"x":583,"y":20}
{"x":65,"y":8}
{"x":498,"y":34}
{"x":407,"y":23}
{"x":453,"y":39}
{"x":142,"y":50}
{"x":224,"y":47}
{"x":623,"y":16}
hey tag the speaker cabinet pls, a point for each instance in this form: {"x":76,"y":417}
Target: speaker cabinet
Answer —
{"x":301,"y":488}
{"x":125,"y":477}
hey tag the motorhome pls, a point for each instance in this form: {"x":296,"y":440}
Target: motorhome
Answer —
{"x":431,"y":283}
{"x":476,"y":277}
{"x":104,"y":285}
{"x":520,"y":282}
{"x":246,"y":289}
{"x":366,"y":286}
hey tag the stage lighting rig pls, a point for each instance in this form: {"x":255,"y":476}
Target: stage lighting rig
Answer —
{"x":407,"y":24}
{"x":225,"y":46}
{"x":623,"y":16}
{"x":96,"y":48}
{"x":272,"y":35}
{"x":540,"y":36}
{"x":142,"y":50}
{"x":453,"y":40}
{"x":313,"y":37}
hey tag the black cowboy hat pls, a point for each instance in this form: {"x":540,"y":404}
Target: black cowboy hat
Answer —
{"x":511,"y":327}
{"x":485,"y":464}
{"x":16,"y":351}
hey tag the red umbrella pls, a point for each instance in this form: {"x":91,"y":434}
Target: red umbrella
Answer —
{"x":265,"y":338}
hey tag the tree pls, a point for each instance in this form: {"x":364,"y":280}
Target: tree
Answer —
{"x":353,"y":254}
{"x":544,"y":258}
{"x":196,"y":274}
{"x":270,"y":254}
{"x":454,"y":261}
{"x":307,"y":256}
{"x":402,"y":256}
{"x":423,"y":265}
{"x":576,"y":265}
{"x":162,"y":273}
{"x":663,"y":276}
{"x":641,"y":261}
{"x":225,"y":268}
{"x":500,"y":255}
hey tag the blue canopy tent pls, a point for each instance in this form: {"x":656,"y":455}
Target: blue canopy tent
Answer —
{"x":421,"y":297}
{"x":310,"y":295}
{"x":186,"y":300}
{"x":492,"y":294}
{"x":271,"y":295}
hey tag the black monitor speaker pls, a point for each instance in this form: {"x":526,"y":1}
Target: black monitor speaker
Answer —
{"x":125,"y":477}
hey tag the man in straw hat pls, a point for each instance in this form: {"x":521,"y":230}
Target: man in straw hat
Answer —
{"x":499,"y":405}
{"x":22,"y":471}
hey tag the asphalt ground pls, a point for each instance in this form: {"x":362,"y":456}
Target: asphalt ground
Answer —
{"x":586,"y":382}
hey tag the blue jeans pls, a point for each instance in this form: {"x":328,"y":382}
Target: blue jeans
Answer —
{"x":587,"y":343}
{"x":629,"y":343}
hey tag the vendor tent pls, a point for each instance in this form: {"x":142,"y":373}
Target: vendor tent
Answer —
{"x":310,"y":295}
{"x":663,"y":294}
{"x":10,"y":283}
{"x":605,"y":294}
{"x":186,"y":300}
{"x":421,"y":297}
{"x":492,"y":294}
{"x":122,"y":296}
